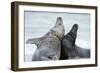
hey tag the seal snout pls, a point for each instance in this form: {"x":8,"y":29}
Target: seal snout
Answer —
{"x":73,"y":33}
{"x":59,"y":21}
{"x":59,"y":18}
{"x":74,"y":28}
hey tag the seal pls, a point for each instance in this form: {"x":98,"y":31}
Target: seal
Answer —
{"x":69,"y":50}
{"x":49,"y":46}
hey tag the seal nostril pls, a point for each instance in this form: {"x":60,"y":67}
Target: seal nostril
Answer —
{"x":59,"y":18}
{"x":76,"y":25}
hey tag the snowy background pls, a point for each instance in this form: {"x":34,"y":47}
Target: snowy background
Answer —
{"x":38,"y":24}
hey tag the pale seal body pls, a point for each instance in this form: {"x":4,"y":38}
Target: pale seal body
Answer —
{"x":49,"y":46}
{"x":69,"y":49}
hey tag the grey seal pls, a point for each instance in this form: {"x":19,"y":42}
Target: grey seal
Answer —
{"x":49,"y":46}
{"x":69,"y":49}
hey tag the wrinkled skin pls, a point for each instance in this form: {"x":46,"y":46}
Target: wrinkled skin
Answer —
{"x":49,"y":46}
{"x":69,"y":49}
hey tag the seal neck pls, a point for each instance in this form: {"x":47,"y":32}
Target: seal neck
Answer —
{"x":52,"y":32}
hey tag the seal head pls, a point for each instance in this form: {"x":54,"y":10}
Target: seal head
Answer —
{"x":68,"y":43}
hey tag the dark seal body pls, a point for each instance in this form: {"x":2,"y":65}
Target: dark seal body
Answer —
{"x":69,"y":49}
{"x":49,"y":46}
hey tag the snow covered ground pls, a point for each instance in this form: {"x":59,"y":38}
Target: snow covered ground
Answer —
{"x":38,"y":24}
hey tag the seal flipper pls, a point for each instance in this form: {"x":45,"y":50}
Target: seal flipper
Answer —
{"x":33,"y":41}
